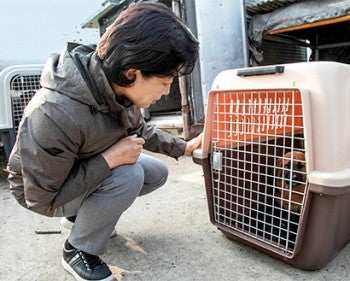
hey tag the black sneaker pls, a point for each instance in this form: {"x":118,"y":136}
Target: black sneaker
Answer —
{"x":84,"y":266}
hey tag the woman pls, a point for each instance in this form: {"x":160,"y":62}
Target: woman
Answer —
{"x":78,"y":149}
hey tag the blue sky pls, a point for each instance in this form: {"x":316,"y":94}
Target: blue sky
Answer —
{"x":33,"y":29}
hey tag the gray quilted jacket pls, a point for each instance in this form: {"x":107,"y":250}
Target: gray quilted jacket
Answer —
{"x":70,"y":121}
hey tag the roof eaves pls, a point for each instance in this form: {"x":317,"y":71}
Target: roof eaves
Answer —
{"x":93,"y":21}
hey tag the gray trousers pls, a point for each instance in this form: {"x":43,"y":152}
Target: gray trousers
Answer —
{"x":99,"y":211}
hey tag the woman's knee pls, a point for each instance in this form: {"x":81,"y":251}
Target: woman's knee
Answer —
{"x":156,"y":175}
{"x":155,"y":170}
{"x":125,"y":179}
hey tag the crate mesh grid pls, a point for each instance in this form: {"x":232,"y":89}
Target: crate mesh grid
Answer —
{"x":22,"y":89}
{"x":250,"y":130}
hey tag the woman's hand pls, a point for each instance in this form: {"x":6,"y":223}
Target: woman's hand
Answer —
{"x":193,"y":144}
{"x":124,"y":151}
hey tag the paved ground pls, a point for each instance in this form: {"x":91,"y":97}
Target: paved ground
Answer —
{"x":164,"y":236}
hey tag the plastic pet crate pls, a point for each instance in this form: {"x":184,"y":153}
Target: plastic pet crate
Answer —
{"x":18,"y":84}
{"x":276,"y":159}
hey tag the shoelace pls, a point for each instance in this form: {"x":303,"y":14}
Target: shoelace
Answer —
{"x":90,"y":261}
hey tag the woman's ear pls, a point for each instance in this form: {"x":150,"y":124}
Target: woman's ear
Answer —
{"x":131,"y":73}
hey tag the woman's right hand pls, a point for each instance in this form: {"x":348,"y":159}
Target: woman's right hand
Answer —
{"x":124,"y":151}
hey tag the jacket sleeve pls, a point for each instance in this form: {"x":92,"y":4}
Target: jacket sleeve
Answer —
{"x":52,"y":173}
{"x":157,"y":140}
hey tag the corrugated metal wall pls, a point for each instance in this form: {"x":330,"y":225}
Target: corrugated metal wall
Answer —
{"x":278,"y":53}
{"x":265,"y":6}
{"x":271,"y":51}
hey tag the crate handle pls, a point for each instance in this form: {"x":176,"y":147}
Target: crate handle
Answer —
{"x":265,"y":70}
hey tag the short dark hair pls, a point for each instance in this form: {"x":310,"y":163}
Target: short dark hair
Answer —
{"x":148,"y":37}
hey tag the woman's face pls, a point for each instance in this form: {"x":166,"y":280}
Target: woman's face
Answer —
{"x":145,"y":90}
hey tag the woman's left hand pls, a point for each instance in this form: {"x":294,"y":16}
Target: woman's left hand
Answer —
{"x":193,"y":144}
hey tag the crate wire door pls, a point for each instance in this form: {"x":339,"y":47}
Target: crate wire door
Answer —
{"x":18,"y":84}
{"x":22,"y":89}
{"x":250,"y":131}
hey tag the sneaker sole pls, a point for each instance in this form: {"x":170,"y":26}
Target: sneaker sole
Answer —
{"x":66,"y":223}
{"x":70,"y":270}
{"x":114,"y":233}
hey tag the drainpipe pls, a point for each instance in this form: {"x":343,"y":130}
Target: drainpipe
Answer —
{"x":177,"y":7}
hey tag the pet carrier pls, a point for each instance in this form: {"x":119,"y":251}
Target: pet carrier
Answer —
{"x":276,"y":159}
{"x":18,"y":84}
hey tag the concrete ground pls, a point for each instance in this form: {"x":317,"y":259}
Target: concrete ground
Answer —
{"x":164,"y":236}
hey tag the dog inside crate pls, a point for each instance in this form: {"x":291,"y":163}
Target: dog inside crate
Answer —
{"x":290,"y":180}
{"x":251,"y":200}
{"x":257,"y":188}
